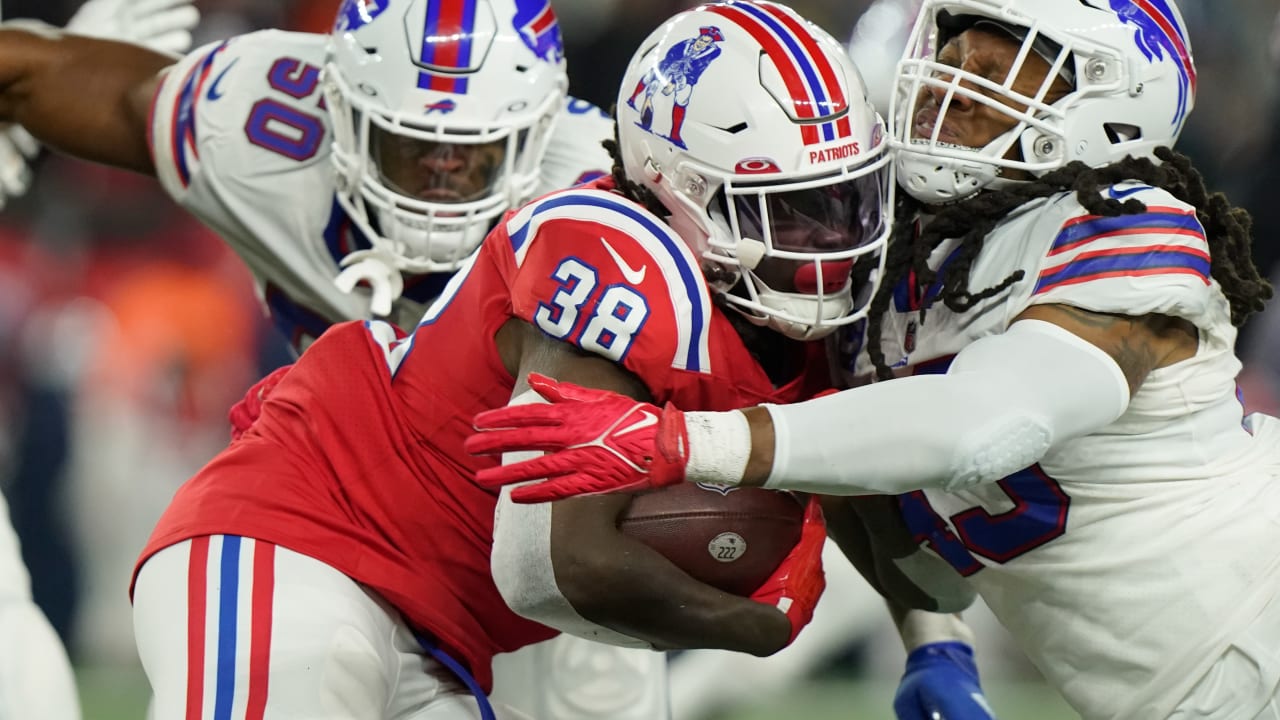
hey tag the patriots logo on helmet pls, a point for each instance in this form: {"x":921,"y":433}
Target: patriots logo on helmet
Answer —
{"x":536,"y":24}
{"x":1159,"y":37}
{"x":355,"y":14}
{"x":676,"y":76}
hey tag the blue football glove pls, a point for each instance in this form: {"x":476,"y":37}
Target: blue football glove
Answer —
{"x":941,"y":683}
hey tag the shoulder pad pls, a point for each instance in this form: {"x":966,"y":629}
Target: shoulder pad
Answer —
{"x":255,"y":97}
{"x":1155,"y":261}
{"x":597,"y":270}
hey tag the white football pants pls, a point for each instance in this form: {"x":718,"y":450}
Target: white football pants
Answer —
{"x":36,"y":680}
{"x":236,"y":629}
{"x":569,"y":678}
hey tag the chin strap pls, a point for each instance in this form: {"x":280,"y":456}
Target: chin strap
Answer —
{"x":378,"y":270}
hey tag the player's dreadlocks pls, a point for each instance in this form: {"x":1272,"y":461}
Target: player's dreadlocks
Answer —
{"x":1227,"y":229}
{"x":645,"y":197}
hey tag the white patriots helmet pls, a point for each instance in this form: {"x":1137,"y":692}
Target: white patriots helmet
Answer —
{"x":1133,"y":84}
{"x":441,"y":111}
{"x":752,"y":127}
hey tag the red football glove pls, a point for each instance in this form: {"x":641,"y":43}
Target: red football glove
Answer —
{"x":794,"y":588}
{"x":599,"y":441}
{"x":245,"y":413}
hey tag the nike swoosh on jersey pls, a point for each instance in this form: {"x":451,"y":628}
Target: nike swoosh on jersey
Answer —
{"x":213,"y":93}
{"x":644,"y":422}
{"x":630,"y":274}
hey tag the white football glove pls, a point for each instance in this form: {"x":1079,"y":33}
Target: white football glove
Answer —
{"x":16,"y":148}
{"x":162,"y":25}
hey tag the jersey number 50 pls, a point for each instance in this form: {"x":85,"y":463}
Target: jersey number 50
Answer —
{"x":281,"y":127}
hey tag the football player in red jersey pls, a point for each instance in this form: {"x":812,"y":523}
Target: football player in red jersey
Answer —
{"x":339,"y":560}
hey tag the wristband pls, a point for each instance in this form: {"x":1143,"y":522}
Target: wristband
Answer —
{"x":921,"y":627}
{"x":719,"y":447}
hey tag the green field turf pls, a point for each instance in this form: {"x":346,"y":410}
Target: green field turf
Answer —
{"x":121,"y":695}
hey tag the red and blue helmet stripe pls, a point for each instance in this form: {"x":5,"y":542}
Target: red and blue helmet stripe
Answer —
{"x":1158,"y":33}
{"x":447,"y":44}
{"x":807,"y":72}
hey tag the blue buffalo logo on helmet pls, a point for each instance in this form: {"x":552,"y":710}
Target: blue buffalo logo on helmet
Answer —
{"x":536,"y":24}
{"x":444,"y":107}
{"x":674,"y":76}
{"x":355,"y":14}
{"x":1160,"y":39}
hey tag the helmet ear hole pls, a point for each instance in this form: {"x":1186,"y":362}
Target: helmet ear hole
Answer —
{"x":1122,"y":132}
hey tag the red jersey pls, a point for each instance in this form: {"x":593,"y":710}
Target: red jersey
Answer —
{"x":357,"y":458}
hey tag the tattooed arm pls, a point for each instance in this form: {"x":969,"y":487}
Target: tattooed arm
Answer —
{"x":1137,"y":344}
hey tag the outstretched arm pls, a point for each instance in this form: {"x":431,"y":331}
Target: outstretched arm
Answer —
{"x":87,"y":97}
{"x":1058,"y":373}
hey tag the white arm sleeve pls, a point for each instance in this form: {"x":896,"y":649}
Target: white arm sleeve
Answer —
{"x":1006,"y":400}
{"x":522,"y":568}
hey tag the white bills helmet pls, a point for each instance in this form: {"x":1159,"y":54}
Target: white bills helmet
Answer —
{"x":752,"y":127}
{"x":1127,"y":62}
{"x":441,"y":114}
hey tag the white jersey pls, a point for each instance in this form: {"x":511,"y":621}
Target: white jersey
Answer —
{"x":1126,"y":561}
{"x":241,"y":138}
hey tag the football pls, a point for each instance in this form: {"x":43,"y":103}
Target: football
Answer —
{"x":728,"y":537}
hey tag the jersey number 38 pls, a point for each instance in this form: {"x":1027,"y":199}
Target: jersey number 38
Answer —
{"x":612,"y":321}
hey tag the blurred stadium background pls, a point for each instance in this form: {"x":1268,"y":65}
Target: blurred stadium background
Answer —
{"x":127,"y":329}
